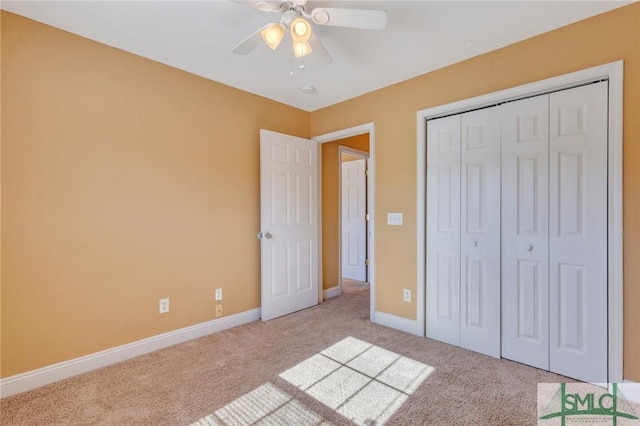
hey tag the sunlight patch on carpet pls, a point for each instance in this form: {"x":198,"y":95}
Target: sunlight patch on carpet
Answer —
{"x":364,"y":383}
{"x":266,"y":405}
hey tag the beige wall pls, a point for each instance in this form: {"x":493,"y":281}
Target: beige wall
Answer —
{"x":123,"y":181}
{"x":350,"y":157}
{"x":602,"y":39}
{"x":331,"y":205}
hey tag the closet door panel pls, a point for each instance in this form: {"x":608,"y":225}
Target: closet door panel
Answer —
{"x":525,"y":229}
{"x":578,"y":232}
{"x":443,"y":230}
{"x":480,"y":232}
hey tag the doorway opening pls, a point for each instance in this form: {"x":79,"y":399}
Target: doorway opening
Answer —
{"x":360,"y":140}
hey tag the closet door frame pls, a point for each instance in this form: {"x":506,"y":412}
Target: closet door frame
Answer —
{"x":613,"y":72}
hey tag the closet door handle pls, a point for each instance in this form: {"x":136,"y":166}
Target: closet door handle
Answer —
{"x":475,"y":244}
{"x":529,"y":247}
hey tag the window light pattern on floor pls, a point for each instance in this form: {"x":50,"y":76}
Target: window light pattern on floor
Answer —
{"x":265,"y":405}
{"x":362,"y":382}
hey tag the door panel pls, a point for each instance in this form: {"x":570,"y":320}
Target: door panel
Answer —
{"x":475,"y":291}
{"x":448,"y":179}
{"x":443,"y":230}
{"x":279,"y":199}
{"x":529,"y":304}
{"x":304,"y":279}
{"x":447,"y":273}
{"x":475,"y":187}
{"x":571,"y":289}
{"x":578,"y":232}
{"x":303,"y":202}
{"x":480,"y":233}
{"x":525,"y":241}
{"x":279,"y":277}
{"x":354,"y":226}
{"x":288,"y":216}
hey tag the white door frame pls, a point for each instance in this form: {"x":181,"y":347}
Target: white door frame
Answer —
{"x":614,"y":73}
{"x":365,"y":156}
{"x":342,"y":134}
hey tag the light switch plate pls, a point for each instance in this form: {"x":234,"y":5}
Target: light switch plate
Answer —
{"x":394,"y":219}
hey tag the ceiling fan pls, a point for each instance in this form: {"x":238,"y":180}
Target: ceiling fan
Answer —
{"x":294,"y":18}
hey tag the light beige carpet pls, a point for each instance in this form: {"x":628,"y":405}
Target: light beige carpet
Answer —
{"x":324,"y":365}
{"x":350,"y":286}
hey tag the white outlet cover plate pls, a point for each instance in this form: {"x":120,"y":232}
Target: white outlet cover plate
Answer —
{"x":218,"y":294}
{"x":394,"y":219}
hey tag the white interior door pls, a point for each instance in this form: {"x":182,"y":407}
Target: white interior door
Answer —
{"x":443,"y":230}
{"x":525,"y":231}
{"x":578,"y":232}
{"x":289,"y":223}
{"x":353,"y":222}
{"x":480,"y":232}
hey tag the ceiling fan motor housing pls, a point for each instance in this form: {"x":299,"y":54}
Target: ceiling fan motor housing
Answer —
{"x":289,"y":16}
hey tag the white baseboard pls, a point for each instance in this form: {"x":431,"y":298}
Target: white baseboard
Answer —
{"x":331,"y":292}
{"x":630,"y":390}
{"x":43,"y":376}
{"x":399,"y":323}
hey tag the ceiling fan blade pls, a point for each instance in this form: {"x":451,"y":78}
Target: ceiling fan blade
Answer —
{"x":250,"y":43}
{"x":352,"y":18}
{"x":263,"y":6}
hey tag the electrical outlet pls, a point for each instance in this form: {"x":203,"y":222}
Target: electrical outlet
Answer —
{"x":406,"y":295}
{"x":164,"y":305}
{"x":218,"y":311}
{"x":394,"y":219}
{"x":218,"y":294}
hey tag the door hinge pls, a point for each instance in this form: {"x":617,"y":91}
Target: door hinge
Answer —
{"x":366,"y":216}
{"x":366,"y":172}
{"x":366,"y":262}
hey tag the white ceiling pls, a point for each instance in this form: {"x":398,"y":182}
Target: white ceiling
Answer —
{"x":421,"y":36}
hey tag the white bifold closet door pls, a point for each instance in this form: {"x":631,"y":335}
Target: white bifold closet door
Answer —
{"x":480,"y":232}
{"x":443,"y":230}
{"x":463,"y":231}
{"x":554,"y":232}
{"x":525,"y":231}
{"x":578,"y":273}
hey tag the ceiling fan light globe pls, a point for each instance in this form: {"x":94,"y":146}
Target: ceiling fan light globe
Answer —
{"x":301,"y":49}
{"x":273,"y":35}
{"x":300,"y":30}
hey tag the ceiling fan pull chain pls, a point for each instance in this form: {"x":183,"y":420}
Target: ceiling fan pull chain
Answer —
{"x":291,"y":63}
